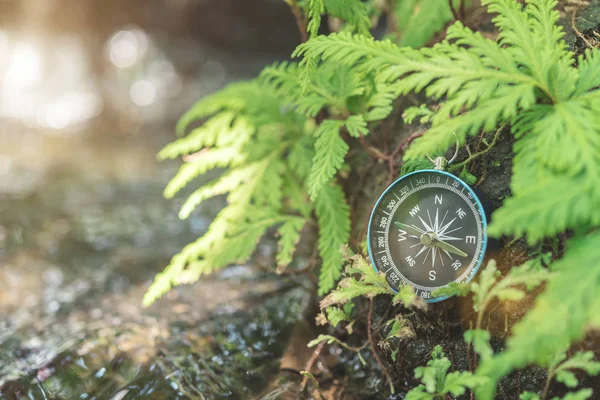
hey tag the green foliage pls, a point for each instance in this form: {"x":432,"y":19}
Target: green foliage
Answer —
{"x":480,"y":339}
{"x":369,"y":283}
{"x":264,"y":135}
{"x":289,"y":235}
{"x":339,"y":92}
{"x":401,"y":328}
{"x":437,"y":383}
{"x":316,"y":8}
{"x":265,"y":150}
{"x":355,"y":15}
{"x":561,"y":314}
{"x":336,"y":315}
{"x":362,"y":280}
{"x":491,"y":286}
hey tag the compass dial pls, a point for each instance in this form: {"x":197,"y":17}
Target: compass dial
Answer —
{"x":427,"y":229}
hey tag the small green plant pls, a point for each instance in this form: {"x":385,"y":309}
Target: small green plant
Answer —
{"x":363,"y":281}
{"x":560,"y":368}
{"x":437,"y":383}
{"x":512,"y":287}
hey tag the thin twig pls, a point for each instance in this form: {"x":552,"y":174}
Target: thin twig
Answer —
{"x":373,"y":151}
{"x":300,"y":20}
{"x":310,"y":364}
{"x":474,"y":156}
{"x":374,"y":349}
{"x":315,"y":382}
{"x":577,"y":32}
{"x":547,"y":385}
{"x":454,"y":13}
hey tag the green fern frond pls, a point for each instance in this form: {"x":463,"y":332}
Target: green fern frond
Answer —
{"x":588,"y":66}
{"x":330,"y":150}
{"x":226,"y":183}
{"x":316,"y":8}
{"x":233,"y":97}
{"x":204,"y":136}
{"x":554,"y":188}
{"x":333,"y":216}
{"x":289,"y":235}
{"x":356,"y":126}
{"x":438,"y":383}
{"x":201,"y":164}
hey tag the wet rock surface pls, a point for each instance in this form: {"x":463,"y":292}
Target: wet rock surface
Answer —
{"x":78,"y":252}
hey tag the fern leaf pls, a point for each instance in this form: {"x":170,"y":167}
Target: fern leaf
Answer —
{"x":588,"y":66}
{"x":296,"y":199}
{"x":356,"y":126}
{"x":233,"y":97}
{"x":289,"y":234}
{"x":301,"y":155}
{"x":582,"y":394}
{"x":333,"y":215}
{"x":556,"y":162}
{"x":485,"y":116}
{"x":330,"y":150}
{"x":335,"y":316}
{"x":268,"y":188}
{"x":316,"y":8}
{"x":480,"y":338}
{"x":583,"y":360}
{"x":226,"y":183}
{"x":204,"y":136}
{"x":201,"y":164}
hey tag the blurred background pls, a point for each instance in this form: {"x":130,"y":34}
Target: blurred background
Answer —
{"x":90,"y":90}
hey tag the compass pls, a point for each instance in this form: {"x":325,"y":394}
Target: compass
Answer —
{"x":427,"y":229}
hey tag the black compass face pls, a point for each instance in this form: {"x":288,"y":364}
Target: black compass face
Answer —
{"x":427,"y":230}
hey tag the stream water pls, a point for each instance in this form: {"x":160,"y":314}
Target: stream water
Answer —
{"x":84,"y":227}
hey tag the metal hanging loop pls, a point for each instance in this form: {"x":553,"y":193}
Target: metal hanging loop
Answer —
{"x":440,"y":163}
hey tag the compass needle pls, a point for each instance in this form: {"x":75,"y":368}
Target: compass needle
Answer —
{"x":408,"y":228}
{"x":449,"y":247}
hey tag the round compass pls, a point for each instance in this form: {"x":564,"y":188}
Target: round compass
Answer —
{"x":427,"y":229}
